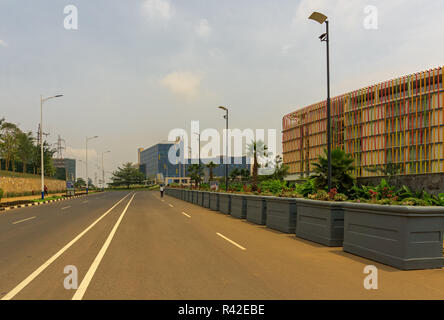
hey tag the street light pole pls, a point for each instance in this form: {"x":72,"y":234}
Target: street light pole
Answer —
{"x":319,"y":17}
{"x":198,"y":134}
{"x":86,"y":163}
{"x":103,"y":170}
{"x":226,"y":146}
{"x":42,"y":168}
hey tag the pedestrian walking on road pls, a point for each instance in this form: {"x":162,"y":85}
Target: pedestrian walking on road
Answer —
{"x":161,"y":191}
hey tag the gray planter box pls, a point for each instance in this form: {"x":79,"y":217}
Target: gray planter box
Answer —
{"x":182,"y":194}
{"x":194,"y":199}
{"x":281,"y":214}
{"x":225,"y":203}
{"x":256,"y":209}
{"x":200,"y":195}
{"x":238,"y":206}
{"x":206,"y":199}
{"x":320,"y":221}
{"x":399,"y":236}
{"x":214,"y":201}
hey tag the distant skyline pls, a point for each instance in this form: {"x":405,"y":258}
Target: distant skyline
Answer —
{"x":135,"y":70}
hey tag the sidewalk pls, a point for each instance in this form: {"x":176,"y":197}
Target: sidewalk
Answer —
{"x":36,"y":196}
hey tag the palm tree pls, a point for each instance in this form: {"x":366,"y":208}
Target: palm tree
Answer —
{"x":341,"y":166}
{"x":195,"y":173}
{"x":211,"y":166}
{"x":256,"y":149}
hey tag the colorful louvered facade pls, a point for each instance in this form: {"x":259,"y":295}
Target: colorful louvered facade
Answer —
{"x":400,"y":121}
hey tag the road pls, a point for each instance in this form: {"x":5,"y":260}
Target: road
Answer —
{"x":135,"y":245}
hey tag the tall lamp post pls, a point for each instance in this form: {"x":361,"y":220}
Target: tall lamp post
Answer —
{"x":198,"y":170}
{"x":103,"y":170}
{"x":86,"y":162}
{"x":226,"y":146}
{"x":42,"y":168}
{"x":319,"y":17}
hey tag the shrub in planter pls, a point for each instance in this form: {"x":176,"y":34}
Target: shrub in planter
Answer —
{"x":225,"y":202}
{"x":320,"y":221}
{"x":281,"y":214}
{"x":238,"y":206}
{"x":256,"y":209}
{"x":402,"y":237}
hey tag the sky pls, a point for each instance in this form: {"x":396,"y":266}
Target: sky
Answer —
{"x":134,"y":70}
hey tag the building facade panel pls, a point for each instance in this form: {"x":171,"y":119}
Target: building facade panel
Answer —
{"x":398,"y":122}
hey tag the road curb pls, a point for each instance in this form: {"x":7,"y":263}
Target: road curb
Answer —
{"x":3,"y":210}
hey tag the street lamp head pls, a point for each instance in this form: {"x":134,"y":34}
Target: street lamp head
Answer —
{"x":323,"y":37}
{"x":58,"y":96}
{"x":318,"y":17}
{"x":223,"y":108}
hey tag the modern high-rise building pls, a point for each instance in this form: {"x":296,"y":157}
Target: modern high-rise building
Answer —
{"x":398,"y":122}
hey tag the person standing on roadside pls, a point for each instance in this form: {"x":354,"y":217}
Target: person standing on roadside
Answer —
{"x":46,"y":190}
{"x":161,"y":191}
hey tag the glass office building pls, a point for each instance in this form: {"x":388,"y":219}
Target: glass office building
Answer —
{"x":400,"y":122}
{"x":154,"y":161}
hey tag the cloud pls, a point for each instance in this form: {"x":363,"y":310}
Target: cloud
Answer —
{"x":203,"y":29}
{"x":182,"y":83}
{"x":3,"y":43}
{"x":80,"y":154}
{"x":158,"y":9}
{"x":286,"y":48}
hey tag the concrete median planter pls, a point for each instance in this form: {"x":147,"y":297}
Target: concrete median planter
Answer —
{"x":403,"y":237}
{"x":256,"y":209}
{"x":238,"y":206}
{"x":200,"y":196}
{"x":320,"y":221}
{"x":225,"y":203}
{"x":194,"y":196}
{"x":206,"y":200}
{"x":214,"y":201}
{"x":281,"y":214}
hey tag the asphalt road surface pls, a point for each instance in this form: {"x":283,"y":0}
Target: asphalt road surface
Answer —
{"x":135,"y":245}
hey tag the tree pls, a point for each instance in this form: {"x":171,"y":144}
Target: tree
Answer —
{"x":280,"y":169}
{"x":8,"y":143}
{"x":234,"y":174}
{"x":256,"y":149}
{"x":195,"y":173}
{"x":245,"y":174}
{"x":127,"y":175}
{"x":25,"y":148}
{"x":341,"y":166}
{"x":80,"y":183}
{"x":211,"y":166}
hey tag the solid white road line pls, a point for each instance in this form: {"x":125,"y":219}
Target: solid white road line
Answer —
{"x":187,"y":215}
{"x":80,"y":292}
{"x":170,"y":205}
{"x":23,"y":220}
{"x":230,"y":241}
{"x":66,"y":207}
{"x":40,"y":269}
